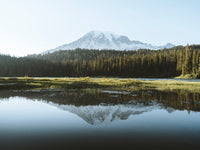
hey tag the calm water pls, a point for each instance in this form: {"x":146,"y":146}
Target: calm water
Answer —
{"x":99,"y":119}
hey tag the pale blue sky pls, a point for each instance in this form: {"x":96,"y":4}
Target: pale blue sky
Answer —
{"x":33,"y":26}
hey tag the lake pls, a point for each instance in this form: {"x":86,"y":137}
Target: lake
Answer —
{"x":99,"y":119}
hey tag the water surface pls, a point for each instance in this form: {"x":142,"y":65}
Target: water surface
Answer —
{"x":99,"y":119}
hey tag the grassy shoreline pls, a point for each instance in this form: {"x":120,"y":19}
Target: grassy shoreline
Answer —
{"x":188,"y":76}
{"x":104,"y":83}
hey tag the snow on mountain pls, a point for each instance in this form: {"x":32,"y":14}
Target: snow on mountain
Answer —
{"x":106,"y":114}
{"x":107,"y":40}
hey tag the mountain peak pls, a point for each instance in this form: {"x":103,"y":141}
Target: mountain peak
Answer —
{"x":98,"y":32}
{"x":103,"y":34}
{"x":107,"y":40}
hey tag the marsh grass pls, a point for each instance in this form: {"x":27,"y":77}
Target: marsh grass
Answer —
{"x":172,"y":85}
{"x":188,"y":76}
{"x":105,"y":83}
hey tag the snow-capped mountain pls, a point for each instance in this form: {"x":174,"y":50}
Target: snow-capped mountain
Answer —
{"x":107,"y":40}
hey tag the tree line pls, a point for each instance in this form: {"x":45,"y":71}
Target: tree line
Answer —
{"x":110,"y":63}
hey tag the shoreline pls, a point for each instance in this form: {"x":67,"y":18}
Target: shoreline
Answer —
{"x":103,"y":83}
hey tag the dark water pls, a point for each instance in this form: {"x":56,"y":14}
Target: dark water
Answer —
{"x":99,"y":119}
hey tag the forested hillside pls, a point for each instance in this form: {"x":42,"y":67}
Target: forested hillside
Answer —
{"x":81,"y":62}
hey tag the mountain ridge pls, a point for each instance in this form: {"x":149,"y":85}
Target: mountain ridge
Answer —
{"x":107,"y":40}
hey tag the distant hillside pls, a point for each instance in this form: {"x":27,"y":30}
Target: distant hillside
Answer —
{"x":92,"y":54}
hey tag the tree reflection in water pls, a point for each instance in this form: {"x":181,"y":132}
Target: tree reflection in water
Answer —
{"x":178,"y":100}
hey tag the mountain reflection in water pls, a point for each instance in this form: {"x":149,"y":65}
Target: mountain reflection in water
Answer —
{"x":177,"y":100}
{"x":99,"y":119}
{"x":103,"y":114}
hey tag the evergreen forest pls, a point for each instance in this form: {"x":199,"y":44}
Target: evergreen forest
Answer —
{"x":166,"y":63}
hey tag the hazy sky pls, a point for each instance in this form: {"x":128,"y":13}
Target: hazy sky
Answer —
{"x":33,"y":26}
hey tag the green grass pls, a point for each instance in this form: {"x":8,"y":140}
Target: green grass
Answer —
{"x":171,"y":85}
{"x":104,"y":83}
{"x":188,"y":76}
